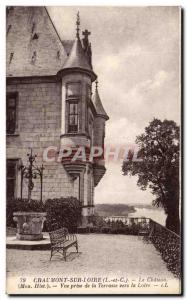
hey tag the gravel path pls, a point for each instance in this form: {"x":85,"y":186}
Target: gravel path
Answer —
{"x":100,"y":254}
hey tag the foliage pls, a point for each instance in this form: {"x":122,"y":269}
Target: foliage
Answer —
{"x":97,"y":221}
{"x":62,"y":212}
{"x":158,"y":169}
{"x":110,"y":227}
{"x":105,"y":230}
{"x":17,"y":204}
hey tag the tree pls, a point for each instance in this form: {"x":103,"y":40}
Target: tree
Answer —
{"x":158,"y":169}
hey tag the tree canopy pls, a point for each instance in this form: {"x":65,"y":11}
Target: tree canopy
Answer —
{"x":158,"y":168}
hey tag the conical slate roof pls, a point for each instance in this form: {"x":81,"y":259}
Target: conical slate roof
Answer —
{"x":77,"y":57}
{"x":98,"y":105}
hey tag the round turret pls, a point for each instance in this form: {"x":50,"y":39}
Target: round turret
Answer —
{"x":78,"y":60}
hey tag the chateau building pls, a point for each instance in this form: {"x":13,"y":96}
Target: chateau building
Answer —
{"x":50,"y":105}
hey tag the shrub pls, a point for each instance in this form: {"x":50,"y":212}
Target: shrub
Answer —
{"x":17,"y":204}
{"x":113,"y":230}
{"x":134,"y":229}
{"x":94,"y":229}
{"x":97,"y":221}
{"x":62,"y":212}
{"x":124,"y":230}
{"x":82,"y":229}
{"x":105,"y":230}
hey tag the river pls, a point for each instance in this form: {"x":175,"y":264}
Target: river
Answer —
{"x":157,"y":215}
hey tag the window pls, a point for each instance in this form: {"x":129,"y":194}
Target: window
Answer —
{"x":73,"y":117}
{"x":73,"y":90}
{"x":11,"y":113}
{"x":11,"y":178}
{"x":73,"y":98}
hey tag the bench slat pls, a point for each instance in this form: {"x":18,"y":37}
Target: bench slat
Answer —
{"x":62,"y":240}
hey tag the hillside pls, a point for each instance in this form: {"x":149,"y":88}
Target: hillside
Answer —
{"x":107,"y":210}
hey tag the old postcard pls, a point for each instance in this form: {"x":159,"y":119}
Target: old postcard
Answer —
{"x":93,"y":101}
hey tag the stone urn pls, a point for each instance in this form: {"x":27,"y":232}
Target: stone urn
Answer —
{"x":29,"y":225}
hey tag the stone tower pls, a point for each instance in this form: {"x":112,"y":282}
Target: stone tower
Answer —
{"x":83,"y":121}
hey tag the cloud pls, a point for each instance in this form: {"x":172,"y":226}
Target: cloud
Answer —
{"x":160,"y":78}
{"x":133,"y":50}
{"x":116,"y":188}
{"x":156,"y":96}
{"x":118,"y":133}
{"x":113,"y":62}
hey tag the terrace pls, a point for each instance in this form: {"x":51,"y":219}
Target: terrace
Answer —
{"x":118,"y":256}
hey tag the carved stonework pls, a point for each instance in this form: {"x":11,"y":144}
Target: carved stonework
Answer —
{"x":29,"y":225}
{"x":74,"y":168}
{"x":98,"y":172}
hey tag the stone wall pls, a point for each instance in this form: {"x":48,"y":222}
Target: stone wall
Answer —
{"x":39,"y":124}
{"x":99,"y":131}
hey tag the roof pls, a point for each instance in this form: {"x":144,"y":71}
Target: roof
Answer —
{"x":98,"y":105}
{"x":67,"y":45}
{"x":33,"y":46}
{"x":77,"y":59}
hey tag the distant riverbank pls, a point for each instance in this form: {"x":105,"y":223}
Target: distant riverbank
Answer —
{"x":132,"y":210}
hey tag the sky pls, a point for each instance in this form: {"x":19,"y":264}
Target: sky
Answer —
{"x":136,"y":55}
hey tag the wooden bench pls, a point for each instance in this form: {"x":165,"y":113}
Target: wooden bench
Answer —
{"x":61,"y":240}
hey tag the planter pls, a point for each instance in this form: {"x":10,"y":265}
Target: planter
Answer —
{"x":29,"y":225}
